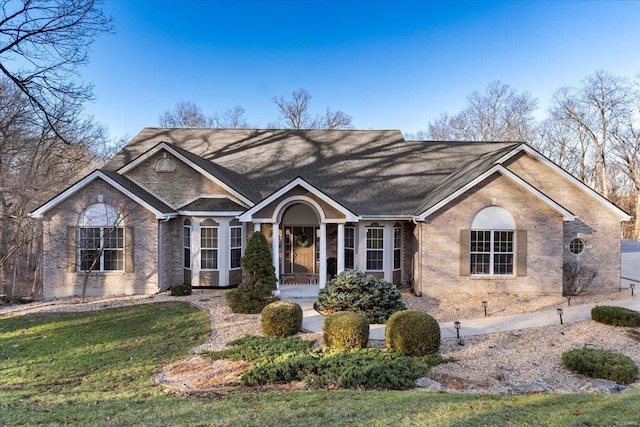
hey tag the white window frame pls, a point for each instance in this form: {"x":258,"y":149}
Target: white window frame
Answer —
{"x":352,"y":249}
{"x":492,"y":253}
{"x":397,"y":248}
{"x":233,"y":247}
{"x":186,"y":246}
{"x":213,"y":249}
{"x":370,"y":250}
{"x":101,"y":247}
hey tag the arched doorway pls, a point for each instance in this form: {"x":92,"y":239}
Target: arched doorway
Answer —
{"x":301,"y":244}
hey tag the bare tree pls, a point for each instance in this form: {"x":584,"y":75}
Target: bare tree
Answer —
{"x":577,"y":278}
{"x":231,"y":118}
{"x":595,"y":110}
{"x":294,"y":113}
{"x":186,"y":114}
{"x":42,"y":45}
{"x":498,"y":114}
{"x":34,"y":165}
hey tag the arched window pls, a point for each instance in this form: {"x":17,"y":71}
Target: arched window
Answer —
{"x":492,"y":242}
{"x":101,"y":239}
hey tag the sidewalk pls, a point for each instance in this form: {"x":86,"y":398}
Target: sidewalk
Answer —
{"x":312,"y":320}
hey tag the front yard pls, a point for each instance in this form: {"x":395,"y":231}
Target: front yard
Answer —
{"x":94,"y":369}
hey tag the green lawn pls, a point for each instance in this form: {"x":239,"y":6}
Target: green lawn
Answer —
{"x":93,"y":369}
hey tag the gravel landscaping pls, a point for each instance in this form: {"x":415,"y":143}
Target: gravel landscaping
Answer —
{"x":523,"y":361}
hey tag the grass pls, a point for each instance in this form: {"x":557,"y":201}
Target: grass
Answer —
{"x":94,"y":369}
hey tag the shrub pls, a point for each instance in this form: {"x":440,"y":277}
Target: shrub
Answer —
{"x":251,"y":297}
{"x":616,"y":316}
{"x":356,"y":291}
{"x":281,"y":360}
{"x":180,"y":290}
{"x":281,"y":318}
{"x":345,"y":330}
{"x":413,"y":333}
{"x":598,"y":363}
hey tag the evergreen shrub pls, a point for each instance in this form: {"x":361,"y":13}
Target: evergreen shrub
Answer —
{"x":345,"y":330}
{"x":598,"y":363}
{"x":413,"y":333}
{"x":281,"y":318}
{"x":180,"y":290}
{"x":616,"y":316}
{"x":356,"y":291}
{"x":251,"y":297}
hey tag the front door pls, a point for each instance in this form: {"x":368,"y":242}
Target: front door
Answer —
{"x":300,"y":250}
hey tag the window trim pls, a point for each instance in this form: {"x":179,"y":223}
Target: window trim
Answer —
{"x":214,"y":249}
{"x":186,"y":235}
{"x":231,"y":247}
{"x":102,"y":248}
{"x":492,"y":253}
{"x":398,"y":248}
{"x":352,"y":229}
{"x":583,"y":245}
{"x":376,"y":250}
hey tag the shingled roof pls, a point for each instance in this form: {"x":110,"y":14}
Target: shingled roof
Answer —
{"x":370,"y":172}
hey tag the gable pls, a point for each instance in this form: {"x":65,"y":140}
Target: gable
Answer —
{"x":174,"y":179}
{"x":558,"y":184}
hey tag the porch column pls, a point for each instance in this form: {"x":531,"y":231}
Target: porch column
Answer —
{"x":340,"y":254}
{"x":322,"y":280}
{"x":275,"y":253}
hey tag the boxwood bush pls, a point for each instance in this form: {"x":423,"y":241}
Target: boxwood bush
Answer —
{"x":345,"y":330}
{"x":356,"y":291}
{"x":616,"y":316}
{"x":281,"y":318}
{"x":598,"y":363}
{"x":180,"y":290}
{"x":413,"y":333}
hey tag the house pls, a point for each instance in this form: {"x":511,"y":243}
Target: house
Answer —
{"x":178,"y":205}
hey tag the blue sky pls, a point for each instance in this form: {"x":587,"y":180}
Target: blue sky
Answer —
{"x":389,"y":64}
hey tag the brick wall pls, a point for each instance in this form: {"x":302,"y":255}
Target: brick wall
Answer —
{"x":58,"y":281}
{"x":440,"y":253}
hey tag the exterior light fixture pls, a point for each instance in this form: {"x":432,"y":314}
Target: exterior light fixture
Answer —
{"x":632,"y":287}
{"x":456,"y":325}
{"x":560,"y":311}
{"x":484,"y":305}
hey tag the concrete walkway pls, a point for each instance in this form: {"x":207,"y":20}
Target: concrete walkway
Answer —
{"x":312,"y":320}
{"x":306,"y":296}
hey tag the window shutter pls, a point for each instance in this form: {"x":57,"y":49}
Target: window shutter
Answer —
{"x":128,"y":250}
{"x":72,"y":248}
{"x":465,"y":237}
{"x":521,"y":268}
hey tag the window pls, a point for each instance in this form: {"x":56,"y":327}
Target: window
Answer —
{"x":100,"y":239}
{"x":235,"y":246}
{"x":349,"y":248}
{"x":375,"y":248}
{"x":186,"y":244}
{"x":491,"y":252}
{"x":397,"y":248}
{"x":208,"y":247}
{"x":576,"y":246}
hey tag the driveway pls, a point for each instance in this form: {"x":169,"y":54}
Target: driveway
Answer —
{"x":630,"y":259}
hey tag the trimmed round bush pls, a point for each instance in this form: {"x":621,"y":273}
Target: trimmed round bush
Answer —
{"x":598,"y":363}
{"x":356,"y":291}
{"x":345,"y":330}
{"x":616,"y":316}
{"x":281,"y":319}
{"x":180,"y":290}
{"x":413,"y":333}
